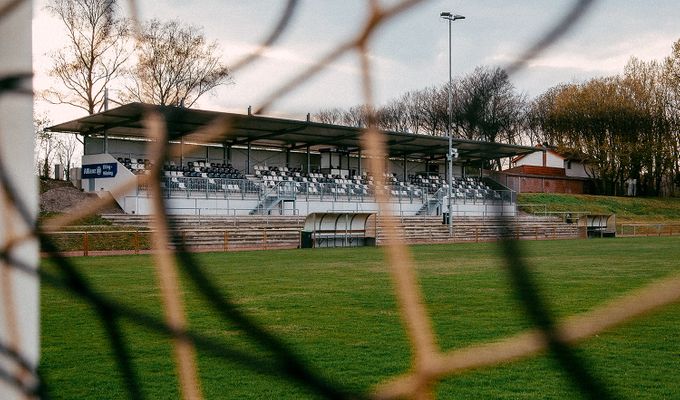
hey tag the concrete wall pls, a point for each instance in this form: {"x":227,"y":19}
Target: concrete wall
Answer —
{"x":133,"y":204}
{"x":576,"y":169}
{"x":117,"y":148}
{"x":102,"y":186}
{"x":237,"y":156}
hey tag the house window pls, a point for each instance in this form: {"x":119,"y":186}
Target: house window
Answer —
{"x":568,"y":164}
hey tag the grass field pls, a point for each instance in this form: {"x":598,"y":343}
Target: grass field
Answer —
{"x":336,"y":308}
{"x":627,"y":209}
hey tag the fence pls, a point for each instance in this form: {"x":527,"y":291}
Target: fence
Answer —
{"x":632,"y":230}
{"x":97,"y":243}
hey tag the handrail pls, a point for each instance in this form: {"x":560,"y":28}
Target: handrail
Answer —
{"x":193,"y":187}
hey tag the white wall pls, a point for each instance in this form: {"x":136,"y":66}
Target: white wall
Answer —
{"x":103,"y":185}
{"x":576,"y":169}
{"x":297,"y":159}
{"x":536,"y":159}
{"x":132,"y":204}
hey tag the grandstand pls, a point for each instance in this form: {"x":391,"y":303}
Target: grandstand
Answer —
{"x":273,"y":166}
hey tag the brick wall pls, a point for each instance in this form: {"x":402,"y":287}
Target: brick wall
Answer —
{"x":524,"y":183}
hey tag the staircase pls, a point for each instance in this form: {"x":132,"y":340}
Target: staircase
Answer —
{"x":283,"y":191}
{"x":432,"y":203}
{"x":428,"y":207}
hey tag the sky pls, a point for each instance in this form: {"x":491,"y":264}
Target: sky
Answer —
{"x":410,"y":52}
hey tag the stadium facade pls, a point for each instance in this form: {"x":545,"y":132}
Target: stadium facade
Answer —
{"x":274,"y":166}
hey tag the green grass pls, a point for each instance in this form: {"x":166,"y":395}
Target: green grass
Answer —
{"x":336,"y":308}
{"x":627,"y":209}
{"x":114,"y":238}
{"x":92,"y":222}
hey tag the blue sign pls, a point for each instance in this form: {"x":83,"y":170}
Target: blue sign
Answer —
{"x":107,"y":170}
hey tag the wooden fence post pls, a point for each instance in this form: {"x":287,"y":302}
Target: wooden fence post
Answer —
{"x":86,"y":244}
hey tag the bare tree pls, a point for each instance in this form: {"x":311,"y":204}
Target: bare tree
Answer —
{"x":394,"y":116}
{"x":175,"y":65}
{"x":412,"y":115}
{"x":431,"y":105}
{"x":94,"y":55}
{"x":67,"y":151}
{"x":358,"y":116}
{"x":331,"y":116}
{"x":46,"y":145}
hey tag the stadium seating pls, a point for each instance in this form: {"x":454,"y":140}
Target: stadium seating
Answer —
{"x":138,"y":166}
{"x":225,"y":180}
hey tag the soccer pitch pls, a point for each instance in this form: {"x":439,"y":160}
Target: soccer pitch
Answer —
{"x":337,"y":310}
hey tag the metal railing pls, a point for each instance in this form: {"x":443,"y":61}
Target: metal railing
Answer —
{"x":641,"y":229}
{"x":216,"y":188}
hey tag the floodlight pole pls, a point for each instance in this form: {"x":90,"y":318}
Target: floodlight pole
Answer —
{"x":449,"y":155}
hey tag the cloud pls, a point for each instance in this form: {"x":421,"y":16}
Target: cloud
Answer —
{"x":289,"y":56}
{"x":607,"y":56}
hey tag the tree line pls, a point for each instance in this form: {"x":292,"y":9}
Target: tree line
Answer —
{"x":166,"y":62}
{"x":625,"y":126}
{"x":105,"y":60}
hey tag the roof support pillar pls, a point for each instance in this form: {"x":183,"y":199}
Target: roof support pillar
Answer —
{"x":248,"y":159}
{"x":404,"y":165}
{"x":181,"y":151}
{"x":287,"y":157}
{"x":359,"y":162}
{"x":309,"y":161}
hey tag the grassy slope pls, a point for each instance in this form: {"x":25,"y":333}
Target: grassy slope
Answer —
{"x":627,"y":209}
{"x":335,"y":306}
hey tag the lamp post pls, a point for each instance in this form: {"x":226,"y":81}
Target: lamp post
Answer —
{"x":449,"y":155}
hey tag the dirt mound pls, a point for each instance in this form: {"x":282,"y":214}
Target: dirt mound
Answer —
{"x":68,"y":198}
{"x":49,"y":184}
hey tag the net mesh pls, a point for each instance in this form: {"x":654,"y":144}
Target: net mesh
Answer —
{"x":429,"y":363}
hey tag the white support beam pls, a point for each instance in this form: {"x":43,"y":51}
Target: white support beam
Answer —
{"x":19,"y":290}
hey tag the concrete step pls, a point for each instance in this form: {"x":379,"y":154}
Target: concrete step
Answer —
{"x":284,"y":231}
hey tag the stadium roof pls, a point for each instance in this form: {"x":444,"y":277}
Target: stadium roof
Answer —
{"x":127,"y":121}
